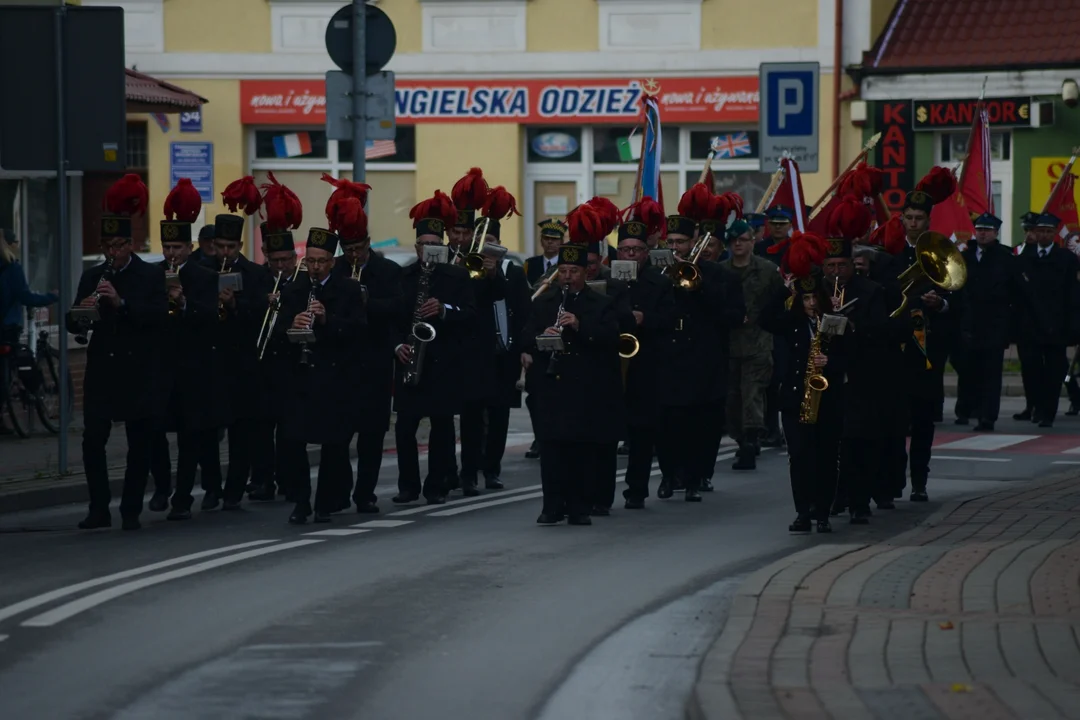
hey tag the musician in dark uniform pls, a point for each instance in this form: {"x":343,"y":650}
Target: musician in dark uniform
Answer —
{"x":237,"y":333}
{"x":987,"y":303}
{"x":198,"y":405}
{"x":703,"y":316}
{"x":579,"y":409}
{"x":1048,"y":299}
{"x":123,"y":380}
{"x":204,"y":254}
{"x":1025,"y":351}
{"x":372,"y":376}
{"x":777,"y":229}
{"x":440,"y":295}
{"x":333,"y":309}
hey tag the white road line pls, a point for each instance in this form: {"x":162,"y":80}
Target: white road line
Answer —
{"x":970,"y":459}
{"x":1071,"y":451}
{"x":382,"y":523}
{"x":313,"y":646}
{"x":68,"y":610}
{"x":1066,"y":462}
{"x":45,"y":598}
{"x":461,"y":501}
{"x":335,"y":532}
{"x":986,"y":442}
{"x":481,"y":506}
{"x":3,"y":638}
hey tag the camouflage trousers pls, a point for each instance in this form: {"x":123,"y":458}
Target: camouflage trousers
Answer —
{"x":748,"y":378}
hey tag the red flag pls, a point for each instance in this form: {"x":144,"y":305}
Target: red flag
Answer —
{"x":1062,"y":203}
{"x":790,"y":194}
{"x":973,"y":195}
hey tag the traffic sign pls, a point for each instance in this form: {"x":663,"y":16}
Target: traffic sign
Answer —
{"x":380,"y":39}
{"x":788,"y":124}
{"x":380,"y":106}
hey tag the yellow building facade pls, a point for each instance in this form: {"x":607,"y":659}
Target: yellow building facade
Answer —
{"x":542,"y":94}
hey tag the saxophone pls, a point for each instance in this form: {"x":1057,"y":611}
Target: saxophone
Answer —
{"x":422,"y":333}
{"x":814,"y":384}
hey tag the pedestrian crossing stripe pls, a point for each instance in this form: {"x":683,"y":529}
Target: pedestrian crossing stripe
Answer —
{"x":1063,"y":444}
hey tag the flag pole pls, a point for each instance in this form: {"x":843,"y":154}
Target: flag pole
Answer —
{"x":870,"y":145}
{"x":1061,"y":178}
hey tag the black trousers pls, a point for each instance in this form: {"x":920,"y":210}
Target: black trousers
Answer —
{"x":1051,"y":363}
{"x":965,"y":362}
{"x":1030,"y":361}
{"x":813,"y":463}
{"x":715,"y":430}
{"x":160,"y":461}
{"x":864,"y":462}
{"x":335,"y":473}
{"x":241,"y":446}
{"x":266,"y":465}
{"x":210,"y":463}
{"x":96,"y":433}
{"x":639,"y":462}
{"x":369,"y":455}
{"x":483,"y":444}
{"x":686,"y":449}
{"x":191,"y":446}
{"x":901,"y":455}
{"x":984,"y":369}
{"x":603,"y":475}
{"x":564,"y":474}
{"x":440,"y":454}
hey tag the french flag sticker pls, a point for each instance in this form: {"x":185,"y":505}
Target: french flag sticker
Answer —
{"x":294,"y":145}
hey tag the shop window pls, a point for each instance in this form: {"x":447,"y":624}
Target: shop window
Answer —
{"x":393,"y":194}
{"x":614,"y":145}
{"x":554,"y":144}
{"x":732,"y":144}
{"x":750,"y":185}
{"x":288,"y":145}
{"x":618,"y":187}
{"x":954,"y":146}
{"x":401,"y":149}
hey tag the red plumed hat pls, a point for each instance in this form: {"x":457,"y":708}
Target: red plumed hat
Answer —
{"x":649,"y":212}
{"x":805,"y":251}
{"x":850,"y":219}
{"x":349,"y":220}
{"x":586,"y":225}
{"x":344,"y":189}
{"x":734,"y":203}
{"x":607,"y":210}
{"x":499,"y":204}
{"x":438,"y":207}
{"x":863,"y":181}
{"x":183,"y":202}
{"x":470,"y":192}
{"x":243,"y":195}
{"x":127,"y":196}
{"x":283,"y":209}
{"x":939,"y":184}
{"x":696,"y":203}
{"x":891,"y":235}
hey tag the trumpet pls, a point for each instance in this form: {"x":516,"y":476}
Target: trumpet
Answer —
{"x":551,"y":369}
{"x":685,"y":273}
{"x":84,"y":324}
{"x":474,"y":259}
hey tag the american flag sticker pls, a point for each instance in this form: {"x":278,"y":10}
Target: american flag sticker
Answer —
{"x":732,"y":145}
{"x":375,"y":149}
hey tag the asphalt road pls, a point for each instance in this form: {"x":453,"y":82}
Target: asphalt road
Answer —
{"x":467,"y":610}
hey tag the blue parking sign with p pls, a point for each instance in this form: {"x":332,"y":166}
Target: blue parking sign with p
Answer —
{"x":792,"y":111}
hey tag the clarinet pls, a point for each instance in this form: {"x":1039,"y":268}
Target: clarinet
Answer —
{"x":84,"y":325}
{"x":422,"y":333}
{"x":305,"y":349}
{"x":551,"y":368}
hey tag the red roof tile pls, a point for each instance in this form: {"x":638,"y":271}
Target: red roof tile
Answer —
{"x":977,"y":34}
{"x":150,"y":95}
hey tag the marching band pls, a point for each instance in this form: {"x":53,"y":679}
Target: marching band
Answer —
{"x":696,"y":328}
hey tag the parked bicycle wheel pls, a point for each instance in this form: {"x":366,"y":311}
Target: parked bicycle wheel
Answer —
{"x":16,"y":408}
{"x":48,"y":394}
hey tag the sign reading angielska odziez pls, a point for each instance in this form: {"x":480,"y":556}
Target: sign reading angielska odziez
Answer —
{"x":944,"y":114}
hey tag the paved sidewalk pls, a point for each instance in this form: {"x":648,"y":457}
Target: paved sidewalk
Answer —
{"x":975,"y":613}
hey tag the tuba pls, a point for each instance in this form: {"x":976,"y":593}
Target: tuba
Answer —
{"x":938,"y":262}
{"x":814,"y":384}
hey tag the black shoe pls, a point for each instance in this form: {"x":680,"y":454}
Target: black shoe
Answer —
{"x":300,"y":514}
{"x":824,"y":526}
{"x":264,"y":494}
{"x":919,"y":496}
{"x":634,"y":504}
{"x":692,"y":494}
{"x":600,"y":511}
{"x":231,"y":506}
{"x":178,"y":514}
{"x":624,"y":449}
{"x":493,"y":483}
{"x":665,"y":490}
{"x":1025,"y":415}
{"x":533,"y":452}
{"x":860,"y":517}
{"x":549,"y":519}
{"x":159,"y":502}
{"x":745,"y":460}
{"x":211,"y":500}
{"x":367,"y":508}
{"x":321,"y":517}
{"x":130,"y":522}
{"x":1046,"y":424}
{"x":404,"y":498}
{"x":707,"y":486}
{"x":468,"y":487}
{"x":961,"y":421}
{"x":886,"y":505}
{"x":96,"y":521}
{"x":454,"y":481}
{"x":984,"y":427}
{"x":436,"y":500}
{"x":801,"y":524}
{"x":1073,"y":410}
{"x":579,"y":520}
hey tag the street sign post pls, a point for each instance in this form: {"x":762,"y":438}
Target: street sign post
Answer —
{"x":381,"y":123}
{"x":788,"y":122}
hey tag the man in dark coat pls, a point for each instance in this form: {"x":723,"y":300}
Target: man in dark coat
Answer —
{"x":123,"y":381}
{"x":441,"y":295}
{"x":1025,"y":351}
{"x":778,"y":229}
{"x":332,"y":309}
{"x":1049,"y":314}
{"x":986,"y":301}
{"x":579,"y":402}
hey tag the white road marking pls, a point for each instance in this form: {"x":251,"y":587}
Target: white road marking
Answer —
{"x":3,"y":638}
{"x":313,"y":646}
{"x":1071,"y":451}
{"x":970,"y":459}
{"x":335,"y":532}
{"x":45,"y":598}
{"x":481,"y":506}
{"x":69,"y":610}
{"x":461,"y":501}
{"x":382,"y":523}
{"x":986,"y":442}
{"x":1066,"y":462}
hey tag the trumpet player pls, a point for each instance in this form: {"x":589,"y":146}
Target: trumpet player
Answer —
{"x":197,"y":406}
{"x":332,"y":309}
{"x":123,"y":380}
{"x":434,"y":316}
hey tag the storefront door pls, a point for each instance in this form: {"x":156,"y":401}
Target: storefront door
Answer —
{"x":549,"y":197}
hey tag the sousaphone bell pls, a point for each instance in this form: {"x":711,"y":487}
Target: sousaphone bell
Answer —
{"x":938,"y":262}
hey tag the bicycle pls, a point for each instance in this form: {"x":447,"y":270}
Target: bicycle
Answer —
{"x":33,"y":385}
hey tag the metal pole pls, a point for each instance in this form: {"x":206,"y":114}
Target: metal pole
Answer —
{"x":359,"y":90}
{"x":64,"y":255}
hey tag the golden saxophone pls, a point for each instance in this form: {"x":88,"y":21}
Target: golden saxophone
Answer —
{"x":814,"y":384}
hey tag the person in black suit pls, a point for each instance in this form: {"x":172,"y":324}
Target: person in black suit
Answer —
{"x":204,"y":254}
{"x":441,"y":295}
{"x":372,"y":378}
{"x":1024,"y":350}
{"x":1050,"y":317}
{"x":777,"y":229}
{"x":195,"y":366}
{"x":123,"y":380}
{"x":332,"y":308}
{"x":987,"y":301}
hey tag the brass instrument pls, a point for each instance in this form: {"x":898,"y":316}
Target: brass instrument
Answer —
{"x":838,"y":293}
{"x":422,"y":332}
{"x":551,"y":368}
{"x":357,"y":271}
{"x":938,"y":262}
{"x":84,"y":323}
{"x":814,"y":383}
{"x":172,"y":278}
{"x":629,"y":346}
{"x":685,"y":273}
{"x":474,"y":260}
{"x":267,"y":327}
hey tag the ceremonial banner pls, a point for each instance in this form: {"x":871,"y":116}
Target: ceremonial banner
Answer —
{"x":650,"y":156}
{"x":973,"y":195}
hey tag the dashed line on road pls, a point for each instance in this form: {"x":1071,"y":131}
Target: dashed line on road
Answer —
{"x":382,"y":523}
{"x":970,"y":459}
{"x":335,"y":532}
{"x":3,"y":638}
{"x":460,"y":501}
{"x":489,"y":503}
{"x":1065,"y":462}
{"x":75,"y":607}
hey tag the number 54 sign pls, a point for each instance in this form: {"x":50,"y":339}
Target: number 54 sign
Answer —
{"x":191,"y":121}
{"x":1045,"y":172}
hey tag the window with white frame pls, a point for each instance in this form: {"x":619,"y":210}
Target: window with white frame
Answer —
{"x":462,"y":26}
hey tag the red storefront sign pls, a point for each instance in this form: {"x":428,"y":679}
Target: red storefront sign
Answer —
{"x":530,"y":102}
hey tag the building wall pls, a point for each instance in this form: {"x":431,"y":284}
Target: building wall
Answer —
{"x":724,"y":24}
{"x":229,"y":26}
{"x":547,"y":28}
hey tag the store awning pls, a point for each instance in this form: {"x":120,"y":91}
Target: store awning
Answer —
{"x":972,"y":35}
{"x":150,"y":95}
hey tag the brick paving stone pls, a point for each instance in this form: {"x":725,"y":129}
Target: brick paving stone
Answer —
{"x":849,"y":585}
{"x":979,"y":639}
{"x":1026,"y":701}
{"x":799,"y":703}
{"x":904,"y":653}
{"x":939,"y":589}
{"x":1020,"y":646}
{"x":976,"y":703}
{"x":944,"y":654}
{"x":789,"y":667}
{"x":891,"y":586}
{"x":907,"y":703}
{"x":1055,"y":586}
{"x":1058,"y":644}
{"x":1064,"y":696}
{"x":817,"y":585}
{"x":1013,"y":586}
{"x":866,"y":653}
{"x":980,"y":586}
